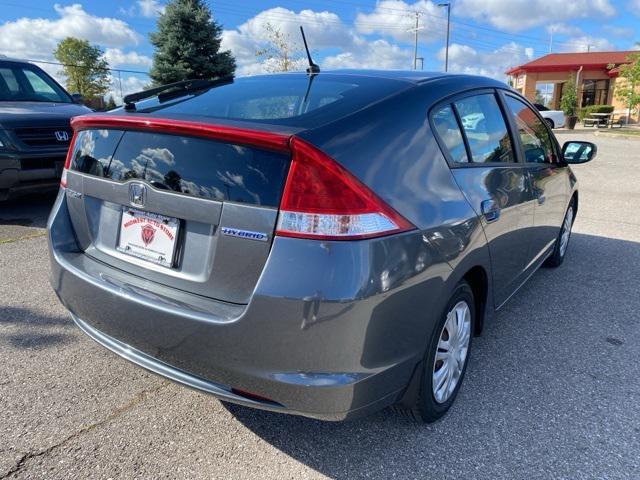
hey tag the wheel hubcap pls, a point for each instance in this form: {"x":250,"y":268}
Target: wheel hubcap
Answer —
{"x":566,"y":231}
{"x":453,"y":347}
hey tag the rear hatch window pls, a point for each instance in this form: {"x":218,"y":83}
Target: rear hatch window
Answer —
{"x":293,"y":99}
{"x":191,"y":213}
{"x":187,"y":165}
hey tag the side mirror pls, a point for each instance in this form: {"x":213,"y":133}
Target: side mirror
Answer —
{"x":77,"y":98}
{"x":579,"y":152}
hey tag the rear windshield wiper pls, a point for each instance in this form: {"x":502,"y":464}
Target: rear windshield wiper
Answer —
{"x":173,"y":90}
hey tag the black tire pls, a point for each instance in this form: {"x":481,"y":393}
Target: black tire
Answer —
{"x":550,"y":123}
{"x":426,"y":409}
{"x":557,"y":257}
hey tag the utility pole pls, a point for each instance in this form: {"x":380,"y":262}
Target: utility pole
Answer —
{"x":589,"y":48}
{"x":120,"y":82}
{"x":446,"y":52}
{"x":415,"y":48}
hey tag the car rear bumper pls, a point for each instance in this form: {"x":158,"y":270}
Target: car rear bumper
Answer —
{"x":310,"y":351}
{"x":25,"y":173}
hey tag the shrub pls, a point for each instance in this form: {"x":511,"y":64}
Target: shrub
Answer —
{"x":568,"y":99}
{"x":586,"y":111}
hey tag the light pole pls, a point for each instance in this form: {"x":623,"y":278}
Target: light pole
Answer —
{"x":446,"y":53}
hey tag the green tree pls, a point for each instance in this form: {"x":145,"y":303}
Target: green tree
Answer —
{"x":187,"y":44}
{"x":280,"y":54}
{"x":84,"y":67}
{"x":111,"y":103}
{"x":569,"y":100}
{"x":628,"y":82}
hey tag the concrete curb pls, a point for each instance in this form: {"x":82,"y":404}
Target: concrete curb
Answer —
{"x":616,"y":135}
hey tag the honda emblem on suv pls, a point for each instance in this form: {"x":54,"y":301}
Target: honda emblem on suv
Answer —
{"x":62,"y":136}
{"x":137,"y":192}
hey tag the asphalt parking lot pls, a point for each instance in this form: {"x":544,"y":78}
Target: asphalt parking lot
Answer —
{"x":552,"y":391}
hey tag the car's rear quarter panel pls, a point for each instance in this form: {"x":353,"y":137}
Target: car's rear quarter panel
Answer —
{"x":391,"y":148}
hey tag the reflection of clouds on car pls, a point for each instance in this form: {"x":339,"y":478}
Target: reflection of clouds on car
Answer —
{"x":234,"y":180}
{"x":163,"y":155}
{"x":258,"y":173}
{"x":472,"y":120}
{"x":193,"y":188}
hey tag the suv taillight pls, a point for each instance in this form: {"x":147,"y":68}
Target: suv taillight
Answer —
{"x":322,"y":200}
{"x":67,"y":162}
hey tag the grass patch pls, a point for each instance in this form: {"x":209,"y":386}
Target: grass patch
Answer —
{"x":22,"y":237}
{"x":622,"y":131}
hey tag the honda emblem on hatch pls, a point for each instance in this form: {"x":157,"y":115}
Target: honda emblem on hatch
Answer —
{"x":137,"y":194}
{"x":62,"y":136}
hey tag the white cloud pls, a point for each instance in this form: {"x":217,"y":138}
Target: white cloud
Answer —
{"x":585,"y":43}
{"x":620,"y":32}
{"x":466,"y":59}
{"x":130,"y":84}
{"x":117,"y":57}
{"x":515,"y":15}
{"x":143,"y":8}
{"x":38,"y":37}
{"x":150,"y":8}
{"x":375,"y":54}
{"x":324,"y":30}
{"x":575,"y":40}
{"x":634,"y":6}
{"x":396,"y":18}
{"x":563,"y":29}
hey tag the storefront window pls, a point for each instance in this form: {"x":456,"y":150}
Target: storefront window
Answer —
{"x":595,"y":92}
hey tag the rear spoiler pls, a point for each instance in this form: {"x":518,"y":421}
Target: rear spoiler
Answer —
{"x":277,"y":142}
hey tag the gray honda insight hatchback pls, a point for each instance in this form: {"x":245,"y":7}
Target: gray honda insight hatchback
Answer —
{"x":318,"y":244}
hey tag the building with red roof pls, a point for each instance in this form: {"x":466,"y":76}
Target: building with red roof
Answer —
{"x":595,"y":73}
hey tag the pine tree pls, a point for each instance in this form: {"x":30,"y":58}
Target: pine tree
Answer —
{"x":187,"y":44}
{"x":111,"y":103}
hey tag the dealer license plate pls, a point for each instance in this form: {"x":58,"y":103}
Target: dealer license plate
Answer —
{"x":148,"y":236}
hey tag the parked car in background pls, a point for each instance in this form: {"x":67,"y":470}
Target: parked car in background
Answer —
{"x":325,"y":245}
{"x":554,"y":118}
{"x":34,"y":128}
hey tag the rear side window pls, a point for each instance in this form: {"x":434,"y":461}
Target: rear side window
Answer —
{"x":187,"y":165}
{"x":446,"y":124}
{"x":534,"y":136}
{"x":485,"y":129}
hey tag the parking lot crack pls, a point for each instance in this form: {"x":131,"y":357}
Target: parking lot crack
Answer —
{"x":118,"y":412}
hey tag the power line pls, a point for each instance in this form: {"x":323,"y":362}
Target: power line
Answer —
{"x":120,"y":70}
{"x":239,"y":11}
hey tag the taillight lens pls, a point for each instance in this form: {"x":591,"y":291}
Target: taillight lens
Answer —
{"x":67,"y":162}
{"x":322,"y":200}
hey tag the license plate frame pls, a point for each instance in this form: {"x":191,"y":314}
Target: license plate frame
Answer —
{"x":148,"y":236}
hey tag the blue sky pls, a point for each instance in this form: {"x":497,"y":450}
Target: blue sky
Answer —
{"x":487,"y":36}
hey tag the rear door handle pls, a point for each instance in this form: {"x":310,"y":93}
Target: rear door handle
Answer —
{"x":490,"y":210}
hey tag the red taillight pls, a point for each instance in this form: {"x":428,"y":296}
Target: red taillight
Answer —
{"x":67,"y":162}
{"x":322,"y":200}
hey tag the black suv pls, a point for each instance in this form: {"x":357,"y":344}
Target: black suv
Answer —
{"x":34,"y":128}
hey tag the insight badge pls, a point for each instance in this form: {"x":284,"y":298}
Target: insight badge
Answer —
{"x":234,"y":232}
